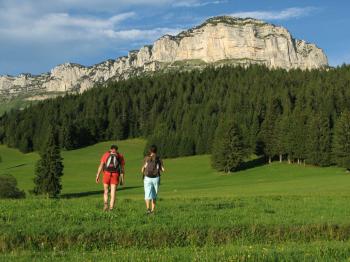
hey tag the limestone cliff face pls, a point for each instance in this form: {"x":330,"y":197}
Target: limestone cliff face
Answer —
{"x":219,"y":40}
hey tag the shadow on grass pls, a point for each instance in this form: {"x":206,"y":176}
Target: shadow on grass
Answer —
{"x":92,"y":193}
{"x":15,"y":166}
{"x":260,"y":161}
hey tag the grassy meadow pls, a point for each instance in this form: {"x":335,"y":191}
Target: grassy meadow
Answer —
{"x":267,"y":212}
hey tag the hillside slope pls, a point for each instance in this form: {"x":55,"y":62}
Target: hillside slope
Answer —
{"x":186,"y":177}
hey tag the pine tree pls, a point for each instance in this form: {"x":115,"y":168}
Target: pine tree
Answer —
{"x":268,"y":132}
{"x":67,"y":136}
{"x":186,"y":147}
{"x":281,"y":131}
{"x":297,"y":136}
{"x":228,"y":149}
{"x":341,"y":145}
{"x":319,"y":141}
{"x":49,"y":168}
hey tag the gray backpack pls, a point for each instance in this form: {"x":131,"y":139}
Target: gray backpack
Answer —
{"x":112,"y":164}
{"x":153,"y":167}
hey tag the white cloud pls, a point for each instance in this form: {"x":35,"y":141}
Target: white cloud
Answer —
{"x":59,"y":26}
{"x":81,"y":6}
{"x":285,"y":14}
{"x":137,"y":34}
{"x":38,"y":23}
{"x":65,"y":27}
{"x":66,"y":20}
{"x":36,"y":37}
{"x":196,"y":3}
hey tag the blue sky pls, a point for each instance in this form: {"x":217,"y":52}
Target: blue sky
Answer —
{"x":36,"y":35}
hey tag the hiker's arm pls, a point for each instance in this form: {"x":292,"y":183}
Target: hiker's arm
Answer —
{"x":122,"y":171}
{"x":162,"y":166}
{"x":143,"y":167}
{"x":122,"y":174}
{"x":99,"y":172}
{"x":122,"y":177}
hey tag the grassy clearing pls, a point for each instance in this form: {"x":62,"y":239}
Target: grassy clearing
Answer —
{"x":270,"y":212}
{"x":16,"y":103}
{"x":187,"y":177}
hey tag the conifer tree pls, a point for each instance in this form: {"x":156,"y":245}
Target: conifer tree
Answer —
{"x":67,"y":136}
{"x":49,"y":168}
{"x":297,"y":136}
{"x":268,"y":132}
{"x":228,"y":149}
{"x":186,"y":147}
{"x":341,"y":145}
{"x":281,"y":133}
{"x":319,"y":141}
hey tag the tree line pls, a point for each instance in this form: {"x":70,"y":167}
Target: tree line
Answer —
{"x":297,"y":116}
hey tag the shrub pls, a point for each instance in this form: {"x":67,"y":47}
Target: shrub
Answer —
{"x":8,"y":187}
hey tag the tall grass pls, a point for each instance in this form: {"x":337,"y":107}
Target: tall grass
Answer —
{"x":79,"y":224}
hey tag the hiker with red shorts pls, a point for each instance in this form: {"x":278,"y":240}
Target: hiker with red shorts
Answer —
{"x":112,"y":164}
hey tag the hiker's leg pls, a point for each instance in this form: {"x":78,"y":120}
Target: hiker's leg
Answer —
{"x":147,"y":201}
{"x":113,"y":189}
{"x":147,"y":188}
{"x":105,"y":195}
{"x":153,"y":205}
{"x":155,"y":192}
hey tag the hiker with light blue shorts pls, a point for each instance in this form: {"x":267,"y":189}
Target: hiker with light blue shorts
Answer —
{"x":151,"y":169}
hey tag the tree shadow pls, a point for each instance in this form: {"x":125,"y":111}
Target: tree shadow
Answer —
{"x":15,"y":166}
{"x":260,"y":161}
{"x":92,"y":193}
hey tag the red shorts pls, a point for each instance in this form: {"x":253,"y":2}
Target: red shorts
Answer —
{"x":110,"y":178}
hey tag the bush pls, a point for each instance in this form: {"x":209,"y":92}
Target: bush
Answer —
{"x":8,"y":187}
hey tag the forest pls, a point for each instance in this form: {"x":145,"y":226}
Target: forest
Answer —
{"x":296,"y":116}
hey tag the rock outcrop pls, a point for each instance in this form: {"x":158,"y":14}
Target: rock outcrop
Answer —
{"x":219,"y":40}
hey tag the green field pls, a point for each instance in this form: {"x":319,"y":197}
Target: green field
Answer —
{"x":16,"y":103}
{"x":267,"y":212}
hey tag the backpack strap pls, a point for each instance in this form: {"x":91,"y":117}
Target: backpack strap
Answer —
{"x":120,"y":159}
{"x":159,"y":162}
{"x":109,"y":153}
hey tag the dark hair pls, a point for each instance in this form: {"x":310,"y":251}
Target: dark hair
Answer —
{"x":114,"y":147}
{"x":153,"y":149}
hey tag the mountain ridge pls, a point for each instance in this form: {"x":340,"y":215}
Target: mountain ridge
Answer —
{"x":217,"y":41}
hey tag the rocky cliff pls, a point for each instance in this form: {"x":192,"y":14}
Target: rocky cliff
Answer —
{"x":219,"y":40}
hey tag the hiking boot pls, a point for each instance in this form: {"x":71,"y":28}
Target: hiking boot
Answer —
{"x":148,"y":211}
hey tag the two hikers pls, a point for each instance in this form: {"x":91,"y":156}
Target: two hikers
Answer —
{"x":151,"y":169}
{"x":112,"y":164}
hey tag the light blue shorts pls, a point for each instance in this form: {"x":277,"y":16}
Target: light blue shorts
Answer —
{"x":151,"y":186}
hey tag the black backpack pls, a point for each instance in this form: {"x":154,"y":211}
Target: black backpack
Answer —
{"x":153,"y":167}
{"x":112,"y":164}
